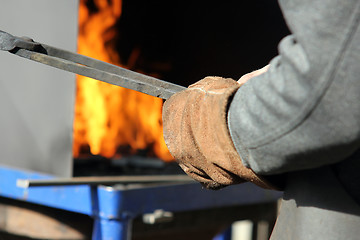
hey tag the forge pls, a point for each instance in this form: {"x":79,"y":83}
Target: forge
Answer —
{"x":78,"y":143}
{"x":112,"y":121}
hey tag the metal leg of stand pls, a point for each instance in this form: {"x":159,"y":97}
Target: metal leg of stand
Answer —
{"x":106,"y":225}
{"x":109,"y":229}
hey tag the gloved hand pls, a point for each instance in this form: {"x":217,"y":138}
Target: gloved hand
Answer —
{"x":196,"y":133}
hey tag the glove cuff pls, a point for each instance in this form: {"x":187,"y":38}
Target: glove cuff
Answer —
{"x":217,"y":107}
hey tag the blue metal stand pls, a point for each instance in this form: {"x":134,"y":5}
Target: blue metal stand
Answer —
{"x":111,"y":229}
{"x":113,"y":208}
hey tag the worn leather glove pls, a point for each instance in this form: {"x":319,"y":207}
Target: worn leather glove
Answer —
{"x":196,"y":133}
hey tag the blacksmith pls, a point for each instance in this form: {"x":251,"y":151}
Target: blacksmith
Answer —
{"x":294,"y":124}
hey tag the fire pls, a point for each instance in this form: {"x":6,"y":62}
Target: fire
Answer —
{"x":108,"y":118}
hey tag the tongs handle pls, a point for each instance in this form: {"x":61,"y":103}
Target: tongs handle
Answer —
{"x":86,"y":66}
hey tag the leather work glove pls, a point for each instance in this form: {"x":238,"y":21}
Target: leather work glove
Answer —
{"x":196,"y":133}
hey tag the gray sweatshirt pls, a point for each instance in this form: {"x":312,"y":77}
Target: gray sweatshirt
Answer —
{"x":302,"y":117}
{"x":305,"y":111}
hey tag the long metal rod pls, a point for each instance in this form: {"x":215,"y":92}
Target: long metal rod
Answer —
{"x":86,"y":66}
{"x":108,"y":73}
{"x":26,"y":183}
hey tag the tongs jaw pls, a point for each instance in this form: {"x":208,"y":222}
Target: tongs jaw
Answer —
{"x":86,"y":66}
{"x":9,"y":42}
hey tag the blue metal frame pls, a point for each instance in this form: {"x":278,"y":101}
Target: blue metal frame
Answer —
{"x":114,"y":207}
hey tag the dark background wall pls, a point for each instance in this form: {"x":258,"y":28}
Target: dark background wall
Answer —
{"x":187,"y":40}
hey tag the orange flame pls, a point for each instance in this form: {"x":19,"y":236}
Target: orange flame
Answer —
{"x":109,"y":117}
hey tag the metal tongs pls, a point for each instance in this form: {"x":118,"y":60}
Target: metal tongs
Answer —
{"x":86,"y":66}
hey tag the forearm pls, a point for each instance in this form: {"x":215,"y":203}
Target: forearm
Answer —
{"x":304,"y":111}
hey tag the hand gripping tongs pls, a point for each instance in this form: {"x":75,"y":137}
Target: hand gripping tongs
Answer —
{"x":86,"y":66}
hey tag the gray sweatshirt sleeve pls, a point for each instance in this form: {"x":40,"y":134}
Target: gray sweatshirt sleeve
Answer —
{"x":305,"y":111}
